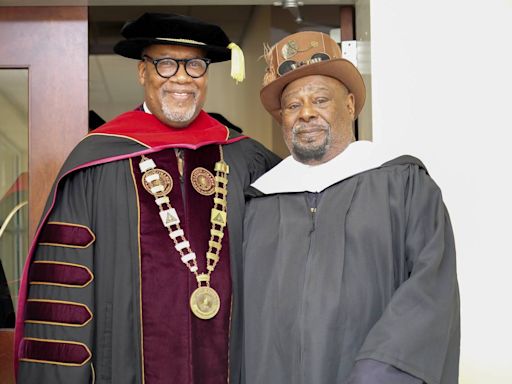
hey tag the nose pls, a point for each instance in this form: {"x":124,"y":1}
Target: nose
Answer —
{"x":307,"y":112}
{"x":181,"y":76}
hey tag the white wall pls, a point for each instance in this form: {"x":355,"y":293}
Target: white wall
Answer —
{"x":364,"y":38}
{"x":442,"y":76}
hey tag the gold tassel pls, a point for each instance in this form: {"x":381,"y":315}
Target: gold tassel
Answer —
{"x":237,"y":63}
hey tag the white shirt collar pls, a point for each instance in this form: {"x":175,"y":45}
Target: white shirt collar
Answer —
{"x":146,"y":109}
{"x":293,"y":176}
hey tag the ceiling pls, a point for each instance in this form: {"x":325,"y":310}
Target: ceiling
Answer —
{"x":157,"y":2}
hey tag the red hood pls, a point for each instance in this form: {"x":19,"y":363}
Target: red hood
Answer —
{"x":204,"y":129}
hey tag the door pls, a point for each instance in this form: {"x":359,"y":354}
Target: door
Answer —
{"x":43,"y":104}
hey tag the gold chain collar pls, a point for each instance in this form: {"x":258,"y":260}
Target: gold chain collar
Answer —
{"x":204,"y":301}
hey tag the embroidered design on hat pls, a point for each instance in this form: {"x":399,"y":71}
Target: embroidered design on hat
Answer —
{"x":189,"y":41}
{"x":291,"y":48}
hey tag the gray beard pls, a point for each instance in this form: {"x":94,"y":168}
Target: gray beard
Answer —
{"x":173,"y":115}
{"x":305,"y":154}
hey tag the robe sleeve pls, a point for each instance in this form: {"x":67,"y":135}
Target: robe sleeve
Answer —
{"x":367,"y":371}
{"x":59,"y":310}
{"x":260,"y":159}
{"x":419,"y":330}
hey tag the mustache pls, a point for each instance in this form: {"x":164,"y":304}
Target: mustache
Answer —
{"x":304,"y":127}
{"x":179,"y":90}
{"x":164,"y":93}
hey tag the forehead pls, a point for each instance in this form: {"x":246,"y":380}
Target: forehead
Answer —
{"x":312,"y":84}
{"x":174,"y":51}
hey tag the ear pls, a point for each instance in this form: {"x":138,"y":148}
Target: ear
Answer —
{"x":350,"y":103}
{"x":279,"y":117}
{"x":142,"y":72}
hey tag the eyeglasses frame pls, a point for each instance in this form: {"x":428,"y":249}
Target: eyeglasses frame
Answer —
{"x":155,"y":62}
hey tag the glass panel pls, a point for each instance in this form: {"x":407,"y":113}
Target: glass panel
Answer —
{"x":13,"y":187}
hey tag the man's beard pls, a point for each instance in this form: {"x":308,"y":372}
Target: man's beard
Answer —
{"x":178,"y":115}
{"x":312,"y":152}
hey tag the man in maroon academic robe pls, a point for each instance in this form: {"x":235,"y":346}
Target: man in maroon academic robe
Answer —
{"x":135,"y":272}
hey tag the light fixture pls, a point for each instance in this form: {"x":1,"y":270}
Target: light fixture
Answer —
{"x":292,"y":6}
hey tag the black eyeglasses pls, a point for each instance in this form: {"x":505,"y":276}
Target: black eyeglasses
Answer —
{"x":290,"y":65}
{"x":167,"y":67}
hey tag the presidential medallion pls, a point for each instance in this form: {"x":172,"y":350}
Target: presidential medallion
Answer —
{"x":157,"y":182}
{"x":205,"y":303}
{"x":203,"y":181}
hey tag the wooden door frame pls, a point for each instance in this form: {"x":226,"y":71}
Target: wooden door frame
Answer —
{"x":52,"y":42}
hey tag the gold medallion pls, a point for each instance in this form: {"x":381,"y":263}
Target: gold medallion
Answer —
{"x":205,"y":302}
{"x":203,"y":181}
{"x":162,"y":178}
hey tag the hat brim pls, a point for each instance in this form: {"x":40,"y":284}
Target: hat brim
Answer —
{"x":340,"y":69}
{"x":133,"y":48}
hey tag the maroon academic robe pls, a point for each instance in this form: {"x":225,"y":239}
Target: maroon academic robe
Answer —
{"x":105,"y":295}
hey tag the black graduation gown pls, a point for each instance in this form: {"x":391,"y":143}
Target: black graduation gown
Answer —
{"x":370,"y":275}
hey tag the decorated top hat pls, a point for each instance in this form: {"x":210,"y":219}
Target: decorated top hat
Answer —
{"x":304,"y":54}
{"x":173,"y":29}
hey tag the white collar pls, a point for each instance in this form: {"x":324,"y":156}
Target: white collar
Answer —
{"x":292,"y":176}
{"x":146,"y":109}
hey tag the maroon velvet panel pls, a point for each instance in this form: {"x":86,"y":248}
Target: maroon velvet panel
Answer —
{"x":56,"y":312}
{"x":54,"y":351}
{"x":66,"y":234}
{"x":54,"y":273}
{"x":178,"y":347}
{"x":210,"y":338}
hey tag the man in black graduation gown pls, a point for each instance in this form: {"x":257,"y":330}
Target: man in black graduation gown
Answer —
{"x":135,"y":270}
{"x":349,"y":257}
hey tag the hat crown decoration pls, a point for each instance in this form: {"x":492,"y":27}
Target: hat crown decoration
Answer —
{"x":303,"y":54}
{"x":300,"y":48}
{"x":190,"y":41}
